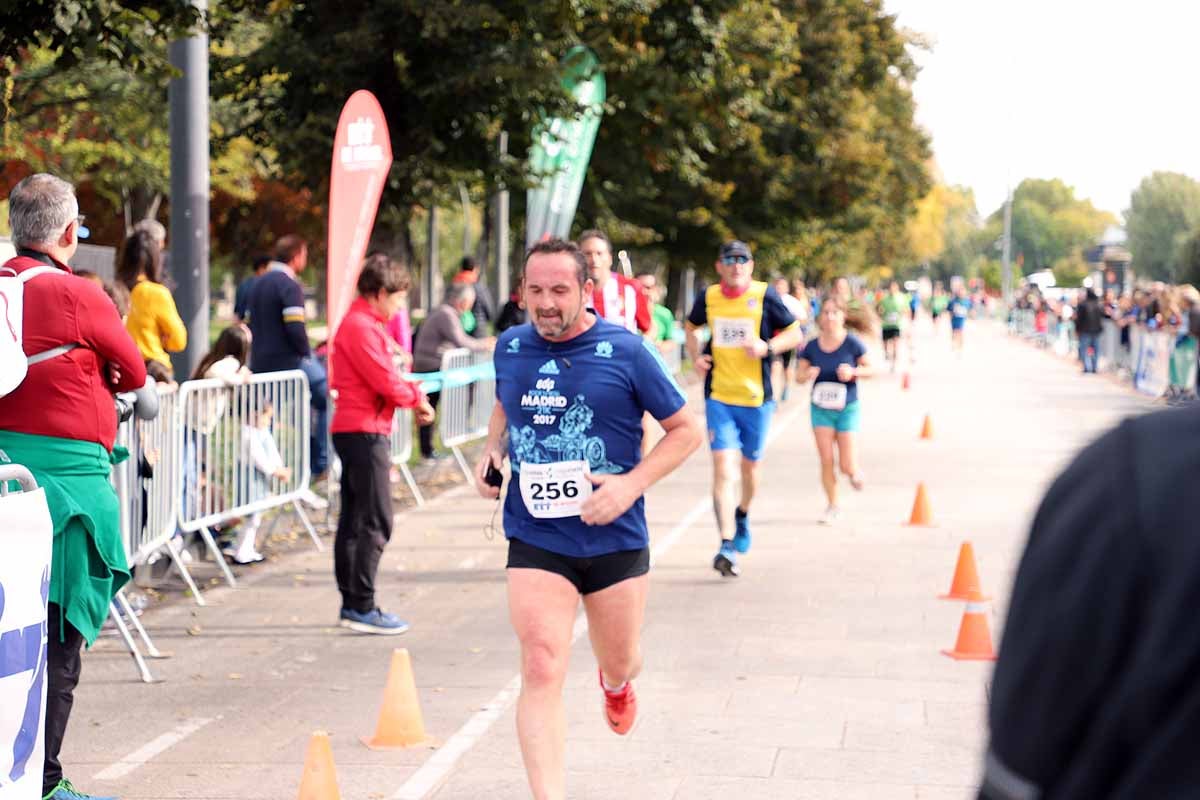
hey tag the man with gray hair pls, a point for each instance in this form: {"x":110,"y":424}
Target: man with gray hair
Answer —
{"x":87,"y":356}
{"x":442,"y":330}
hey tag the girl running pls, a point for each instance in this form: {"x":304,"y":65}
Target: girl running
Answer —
{"x":835,"y":360}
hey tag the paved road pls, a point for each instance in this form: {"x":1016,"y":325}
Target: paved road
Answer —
{"x":815,"y":675}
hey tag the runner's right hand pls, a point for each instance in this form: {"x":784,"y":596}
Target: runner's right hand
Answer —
{"x":703,"y":365}
{"x":496,"y":460}
{"x":813,"y":374}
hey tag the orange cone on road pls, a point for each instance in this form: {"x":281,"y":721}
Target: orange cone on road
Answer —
{"x":400,"y":724}
{"x":966,"y":576}
{"x":922,"y":514}
{"x":927,"y":428}
{"x":319,"y":781}
{"x":974,"y":638}
{"x":906,"y":381}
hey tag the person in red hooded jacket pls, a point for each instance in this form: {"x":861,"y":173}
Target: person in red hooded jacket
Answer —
{"x":369,"y":390}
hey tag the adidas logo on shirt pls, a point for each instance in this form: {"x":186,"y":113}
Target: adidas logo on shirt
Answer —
{"x":549,"y":368}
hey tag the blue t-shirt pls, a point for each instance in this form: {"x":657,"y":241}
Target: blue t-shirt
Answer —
{"x":960,"y":307}
{"x":849,"y":352}
{"x":580,"y":400}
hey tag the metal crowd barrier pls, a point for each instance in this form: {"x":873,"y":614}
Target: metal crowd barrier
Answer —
{"x":147,"y":516}
{"x":1158,"y":363}
{"x":402,"y":448}
{"x":222,"y":430}
{"x":1109,"y":355}
{"x":468,"y":395}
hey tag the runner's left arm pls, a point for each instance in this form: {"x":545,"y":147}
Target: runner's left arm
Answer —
{"x":658,"y":393}
{"x":787,"y":333}
{"x":862,"y":364}
{"x":616,"y":493}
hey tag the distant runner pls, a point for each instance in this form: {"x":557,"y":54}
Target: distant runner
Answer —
{"x":960,"y":309}
{"x":834,"y":361}
{"x":893,"y":309}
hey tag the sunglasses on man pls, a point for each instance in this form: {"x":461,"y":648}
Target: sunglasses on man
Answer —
{"x":728,"y":260}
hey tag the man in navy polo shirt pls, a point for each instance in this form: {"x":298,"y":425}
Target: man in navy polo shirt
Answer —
{"x":280,"y":338}
{"x":571,"y":390}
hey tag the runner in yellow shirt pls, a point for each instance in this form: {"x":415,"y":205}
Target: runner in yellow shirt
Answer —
{"x":749,"y":324}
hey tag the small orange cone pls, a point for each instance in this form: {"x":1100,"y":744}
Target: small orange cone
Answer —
{"x":906,"y":381}
{"x":922,"y":514}
{"x":400,"y":724}
{"x":927,"y":428}
{"x":319,"y":781}
{"x":974,"y":639}
{"x":966,"y":576}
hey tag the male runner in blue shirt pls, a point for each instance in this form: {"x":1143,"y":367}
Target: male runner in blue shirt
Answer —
{"x":571,"y":390}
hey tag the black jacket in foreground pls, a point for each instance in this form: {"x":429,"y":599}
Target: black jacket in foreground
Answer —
{"x":1096,"y":693}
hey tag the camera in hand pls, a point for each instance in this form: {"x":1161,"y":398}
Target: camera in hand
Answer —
{"x":493,"y":476}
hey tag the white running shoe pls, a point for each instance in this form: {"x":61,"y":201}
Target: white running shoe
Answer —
{"x":856,"y":480}
{"x":829,"y":517}
{"x":313,"y":500}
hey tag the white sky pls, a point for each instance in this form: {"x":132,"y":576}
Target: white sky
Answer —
{"x":1098,"y":93}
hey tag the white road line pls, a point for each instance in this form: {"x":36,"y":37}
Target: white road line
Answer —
{"x":434,"y":772}
{"x":123,"y":766}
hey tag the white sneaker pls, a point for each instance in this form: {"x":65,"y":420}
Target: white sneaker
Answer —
{"x":856,"y":480}
{"x":312,"y":500}
{"x":176,"y":545}
{"x":829,"y":517}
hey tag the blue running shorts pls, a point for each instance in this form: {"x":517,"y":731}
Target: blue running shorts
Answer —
{"x":738,"y":427}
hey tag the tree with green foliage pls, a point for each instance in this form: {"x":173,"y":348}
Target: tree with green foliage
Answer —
{"x":787,"y":123}
{"x":1050,"y":226}
{"x":1163,"y":217}
{"x":943,"y":233}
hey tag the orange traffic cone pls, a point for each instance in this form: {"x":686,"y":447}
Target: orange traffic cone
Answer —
{"x":922,"y":515}
{"x":319,"y":781}
{"x":966,"y":576}
{"x":974,"y":639}
{"x":400,"y":723}
{"x":927,"y":428}
{"x":906,"y":381}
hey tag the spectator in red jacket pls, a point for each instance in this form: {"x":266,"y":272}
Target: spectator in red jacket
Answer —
{"x":60,"y":424}
{"x":369,"y":390}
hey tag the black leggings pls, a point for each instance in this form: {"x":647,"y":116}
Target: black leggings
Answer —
{"x":425,"y":432}
{"x":62,"y":676}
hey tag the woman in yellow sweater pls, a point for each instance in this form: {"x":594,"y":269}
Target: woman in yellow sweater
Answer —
{"x":153,"y":320}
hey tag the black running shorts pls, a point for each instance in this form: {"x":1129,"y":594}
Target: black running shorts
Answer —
{"x":586,"y":574}
{"x":890,"y":333}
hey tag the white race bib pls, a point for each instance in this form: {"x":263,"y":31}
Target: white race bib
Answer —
{"x":733,"y":332}
{"x":552,"y":491}
{"x":830,"y":396}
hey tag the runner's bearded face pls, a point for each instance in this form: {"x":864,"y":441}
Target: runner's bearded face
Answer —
{"x":553,"y":296}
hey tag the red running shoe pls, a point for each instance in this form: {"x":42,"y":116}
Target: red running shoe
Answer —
{"x":620,"y":708}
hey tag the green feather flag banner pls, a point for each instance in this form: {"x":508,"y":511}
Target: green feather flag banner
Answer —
{"x":561,"y":150}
